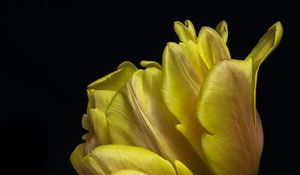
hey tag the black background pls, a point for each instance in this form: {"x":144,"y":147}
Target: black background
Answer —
{"x":50,"y":51}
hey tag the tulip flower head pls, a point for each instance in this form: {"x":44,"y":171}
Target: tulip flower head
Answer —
{"x":194,"y":114}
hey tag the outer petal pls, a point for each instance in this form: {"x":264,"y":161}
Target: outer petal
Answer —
{"x":76,"y":157}
{"x":212,"y":47}
{"x":185,"y":31}
{"x":138,"y":116}
{"x":268,"y":42}
{"x":222,"y":30}
{"x":113,"y":158}
{"x":233,"y":143}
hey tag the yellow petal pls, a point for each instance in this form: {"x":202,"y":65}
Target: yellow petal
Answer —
{"x":180,"y":90}
{"x":181,"y":84}
{"x":267,"y":43}
{"x":128,"y":172}
{"x":147,"y":64}
{"x":212,"y":47}
{"x":113,"y":158}
{"x":98,"y":124}
{"x":138,"y":116}
{"x":100,"y":98}
{"x":76,"y":160}
{"x":114,"y":80}
{"x":185,"y":31}
{"x":182,"y":169}
{"x":222,"y":30}
{"x":191,"y":51}
{"x":232,"y":144}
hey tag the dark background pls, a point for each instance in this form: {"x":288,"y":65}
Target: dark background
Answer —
{"x":50,"y":50}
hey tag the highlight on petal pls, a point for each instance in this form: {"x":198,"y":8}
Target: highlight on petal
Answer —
{"x":138,"y":116}
{"x":222,"y":30}
{"x":212,"y":47}
{"x":108,"y":159}
{"x":186,"y":31}
{"x":233,"y":143}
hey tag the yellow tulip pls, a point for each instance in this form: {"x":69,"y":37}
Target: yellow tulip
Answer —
{"x":194,"y":114}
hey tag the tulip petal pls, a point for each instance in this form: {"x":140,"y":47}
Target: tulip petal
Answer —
{"x":182,"y":169}
{"x":138,"y":116}
{"x":147,"y":64}
{"x":95,"y":120}
{"x":75,"y":159}
{"x":181,"y":84}
{"x":222,"y":30}
{"x":100,"y":98}
{"x":265,"y":46}
{"x":113,"y":158}
{"x":114,"y":80}
{"x":267,"y":43}
{"x":191,"y":52}
{"x":98,"y":124}
{"x":212,"y":47}
{"x":233,"y":143}
{"x":180,"y":90}
{"x":128,"y":172}
{"x":186,"y":31}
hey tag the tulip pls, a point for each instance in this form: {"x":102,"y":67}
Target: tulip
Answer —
{"x":194,"y":114}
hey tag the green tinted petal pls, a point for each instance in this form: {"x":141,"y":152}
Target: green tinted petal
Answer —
{"x":128,"y":172}
{"x":113,"y":158}
{"x":222,"y":30}
{"x":76,"y":160}
{"x":114,"y":80}
{"x":233,"y":143}
{"x":186,"y":31}
{"x":212,"y":47}
{"x":182,"y":169}
{"x":138,"y":116}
